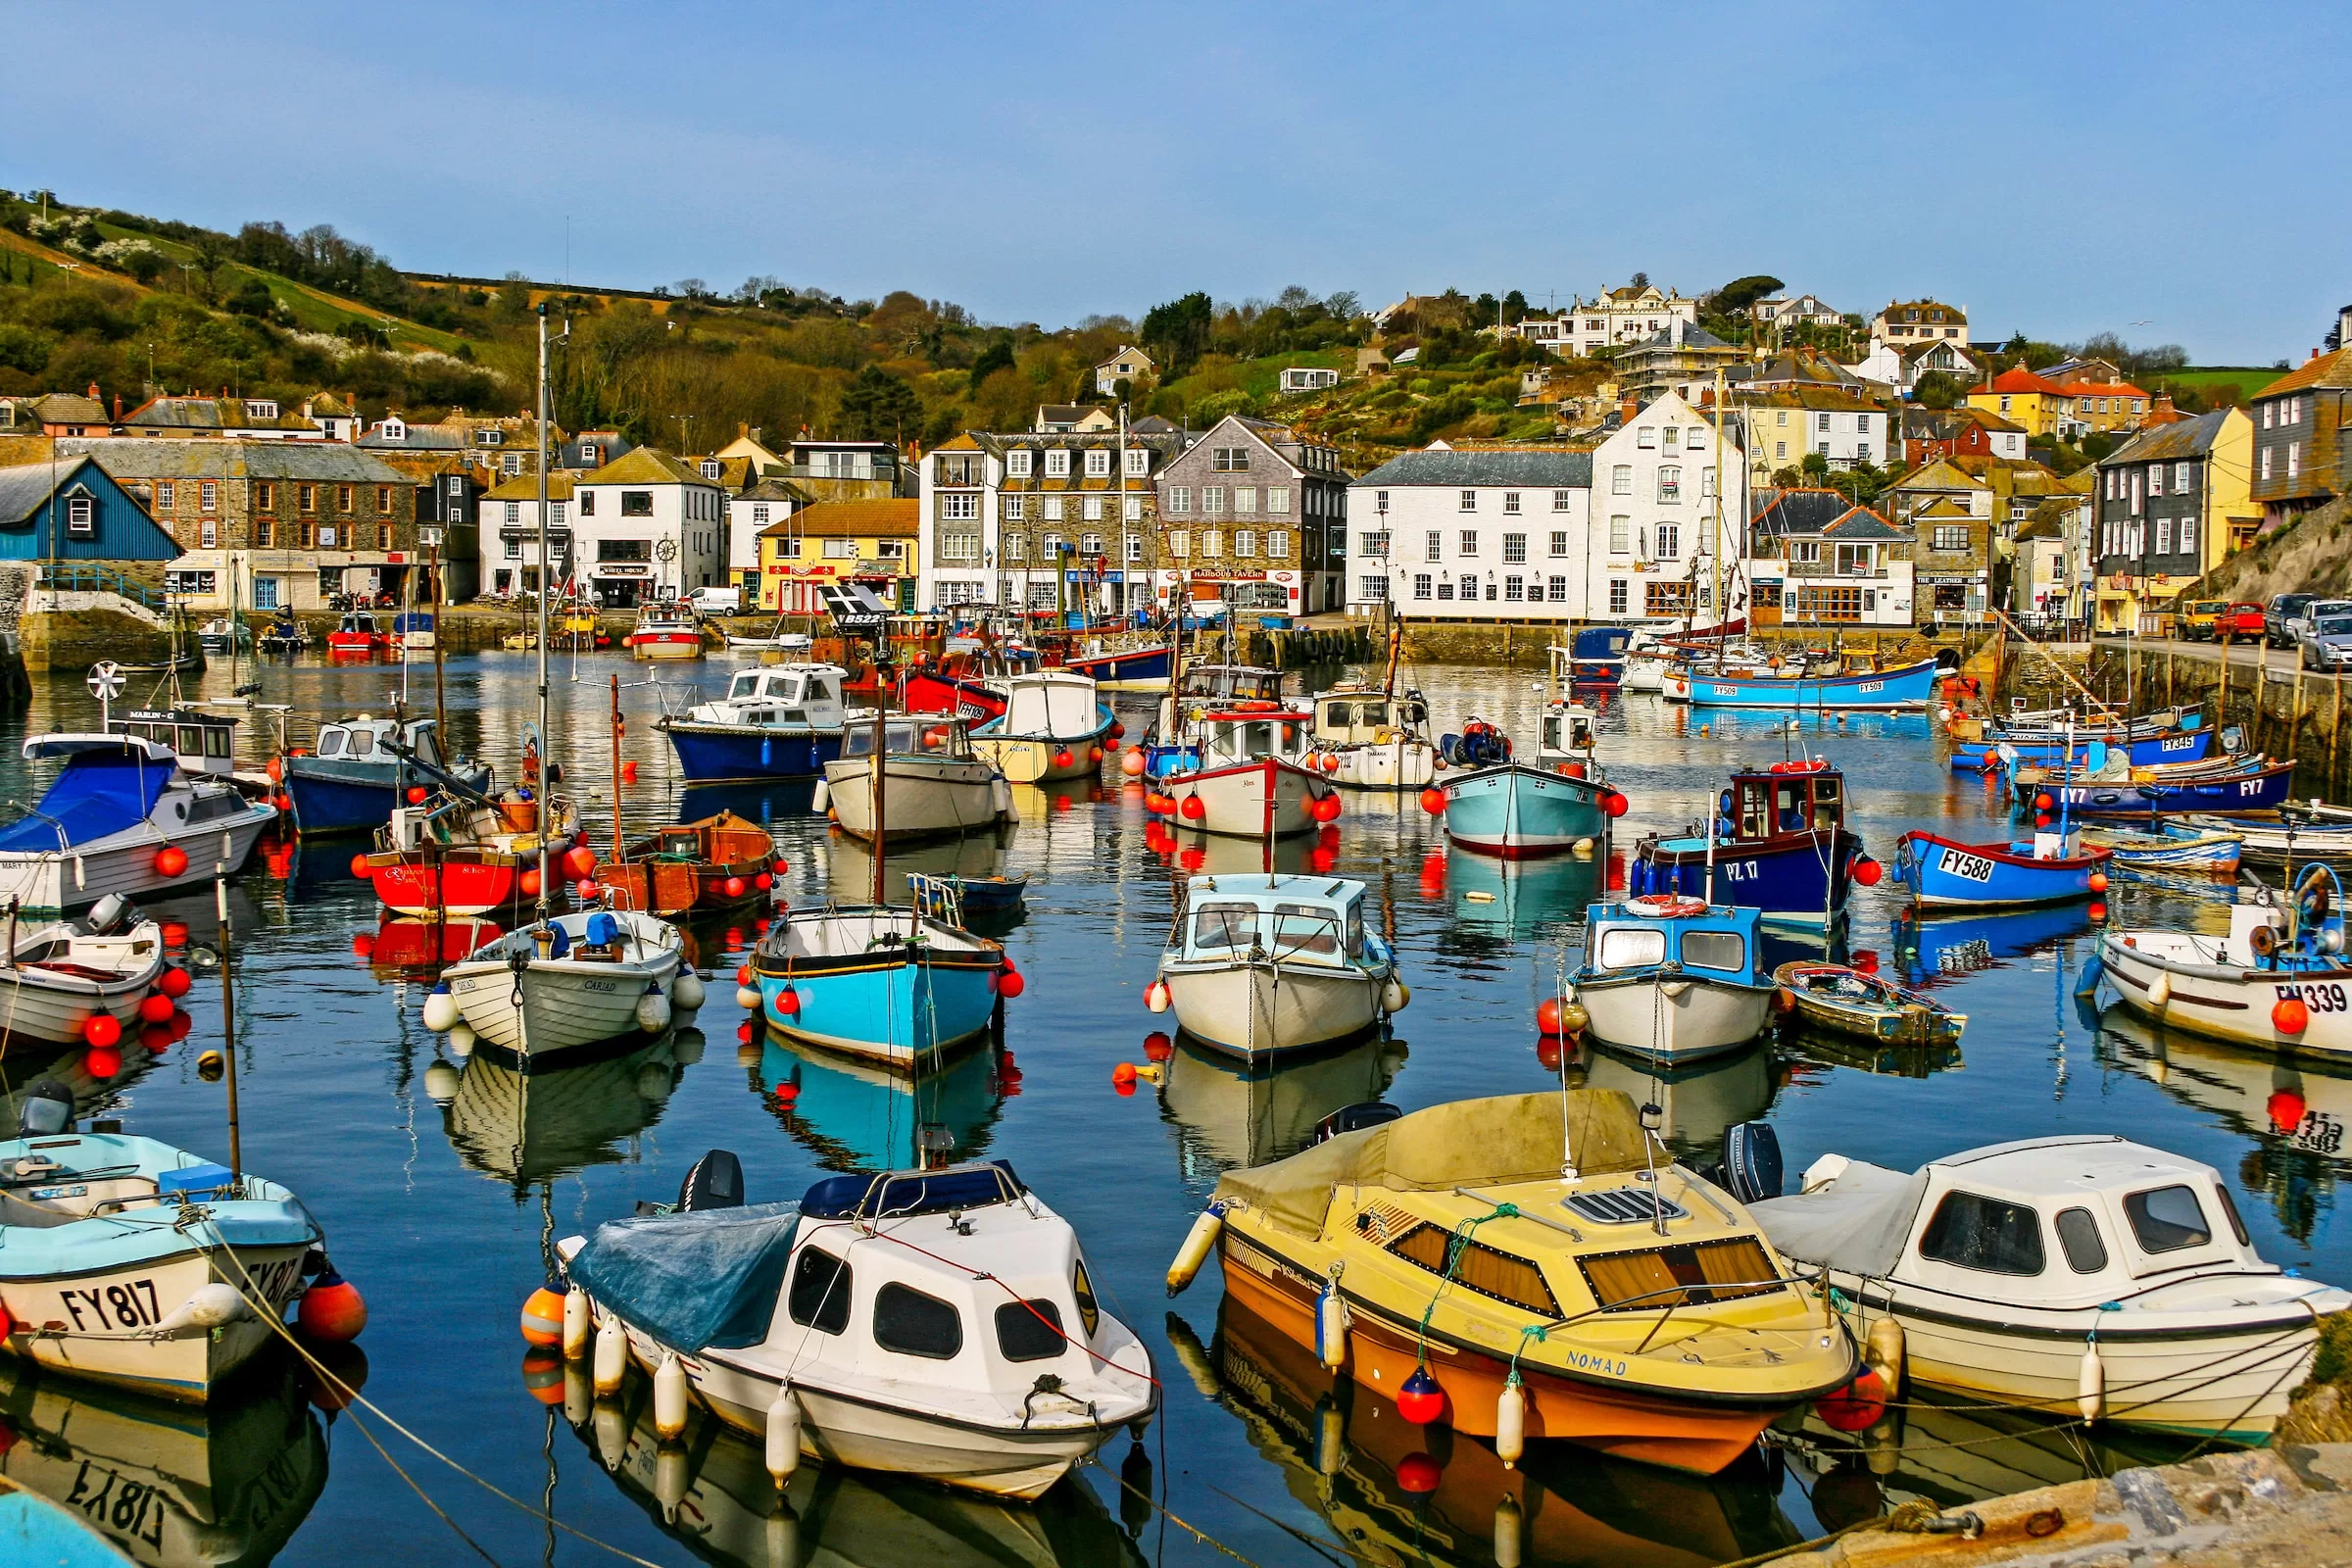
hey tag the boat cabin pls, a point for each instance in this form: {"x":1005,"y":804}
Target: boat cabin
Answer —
{"x":1568,"y":729}
{"x":1233,"y":683}
{"x":1595,"y":658}
{"x":413,"y":620}
{"x":934,"y":735}
{"x":1345,"y":717}
{"x":668,"y":612}
{"x":206,"y":743}
{"x":371,"y":740}
{"x":1226,"y":738}
{"x":1654,"y":932}
{"x":2087,"y":1219}
{"x":1787,"y":799}
{"x":781,"y":694}
{"x":1296,"y":920}
{"x":1049,"y":706}
{"x":357,"y":624}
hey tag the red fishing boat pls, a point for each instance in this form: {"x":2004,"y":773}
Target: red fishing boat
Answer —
{"x":705,"y":867}
{"x":928,"y":692}
{"x":447,"y":854}
{"x":358,"y":633}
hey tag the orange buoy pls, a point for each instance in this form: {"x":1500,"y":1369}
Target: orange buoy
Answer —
{"x":1432,"y":801}
{"x":529,"y":883}
{"x":173,"y":982}
{"x":101,"y":1029}
{"x":332,"y":1309}
{"x":1123,"y":1073}
{"x":1191,"y":809}
{"x":102,"y":1061}
{"x":154,"y":1008}
{"x":2290,"y":1015}
{"x":359,"y":865}
{"x":543,"y":1316}
{"x":171,"y":860}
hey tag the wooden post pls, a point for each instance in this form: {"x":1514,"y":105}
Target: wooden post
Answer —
{"x":2295,"y":713}
{"x":2220,"y":705}
{"x":2336,"y":730}
{"x":616,"y":856}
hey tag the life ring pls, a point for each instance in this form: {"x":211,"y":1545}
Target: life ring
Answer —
{"x":1814,"y":765}
{"x":1667,"y":906}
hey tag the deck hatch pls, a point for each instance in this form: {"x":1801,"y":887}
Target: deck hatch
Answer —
{"x":1624,"y":1205}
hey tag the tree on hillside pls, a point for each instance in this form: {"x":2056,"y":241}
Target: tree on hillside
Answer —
{"x":880,"y":407}
{"x":997,"y":355}
{"x":1177,"y":333}
{"x":1938,"y":389}
{"x":1738,"y":294}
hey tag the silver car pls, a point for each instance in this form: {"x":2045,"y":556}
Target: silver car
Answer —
{"x":2326,"y":636}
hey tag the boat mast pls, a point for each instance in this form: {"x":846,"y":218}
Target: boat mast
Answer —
{"x":546,"y":762}
{"x":1715,"y":552}
{"x":617,"y":726}
{"x":874,"y":781}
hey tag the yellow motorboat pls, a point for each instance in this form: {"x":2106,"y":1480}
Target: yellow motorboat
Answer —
{"x":1525,"y":1267}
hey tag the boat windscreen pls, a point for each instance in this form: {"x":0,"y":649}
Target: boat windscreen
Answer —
{"x":1715,"y":950}
{"x":99,"y":793}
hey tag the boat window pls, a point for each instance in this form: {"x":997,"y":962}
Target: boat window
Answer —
{"x":1487,"y":1270}
{"x":2078,"y":1236}
{"x":1825,"y":807}
{"x":362,"y":742}
{"x":2167,"y":1219}
{"x":191,"y":741}
{"x":1715,"y":950}
{"x":1372,"y":713}
{"x":1083,"y":1286}
{"x":791,"y":716}
{"x":1355,"y":930}
{"x":818,"y":691}
{"x":819,"y":1298}
{"x":423,"y":745}
{"x":1225,"y":925}
{"x":2230,"y":1211}
{"x":1789,"y":808}
{"x":1551,"y":732}
{"x":215,"y":742}
{"x":743,"y":685}
{"x":1685,"y":1275}
{"x":331,"y":743}
{"x":1752,"y":822}
{"x":1338,"y":716}
{"x":1304,"y":928}
{"x":1029,"y":1331}
{"x":1628,"y":947}
{"x":914,"y":1324}
{"x":1983,"y":1234}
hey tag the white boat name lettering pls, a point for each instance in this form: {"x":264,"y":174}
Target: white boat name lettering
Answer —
{"x":2250,"y":786}
{"x":1738,"y":870}
{"x":2328,"y":998}
{"x":112,"y":1306}
{"x":1967,"y":868}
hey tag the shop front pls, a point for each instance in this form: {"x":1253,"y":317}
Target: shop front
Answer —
{"x":621,"y":585}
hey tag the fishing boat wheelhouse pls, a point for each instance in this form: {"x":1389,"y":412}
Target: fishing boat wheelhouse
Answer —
{"x":1780,"y":846}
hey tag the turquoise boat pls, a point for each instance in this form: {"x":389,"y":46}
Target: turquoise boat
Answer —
{"x":1864,"y":689}
{"x":35,"y":1530}
{"x":885,"y":984}
{"x":852,"y":1115}
{"x":1520,"y":812}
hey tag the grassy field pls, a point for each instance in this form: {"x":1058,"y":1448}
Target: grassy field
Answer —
{"x":1257,"y":377}
{"x":2248,"y":380}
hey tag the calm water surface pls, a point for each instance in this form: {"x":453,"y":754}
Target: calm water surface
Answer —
{"x":442,"y":1183}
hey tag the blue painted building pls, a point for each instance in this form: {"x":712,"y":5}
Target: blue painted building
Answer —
{"x":72,"y":510}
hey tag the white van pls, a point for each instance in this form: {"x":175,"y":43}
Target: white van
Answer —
{"x":716,"y":601}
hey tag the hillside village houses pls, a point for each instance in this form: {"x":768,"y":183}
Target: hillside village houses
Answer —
{"x":2172,"y":502}
{"x":1118,"y":376}
{"x":1476,"y":533}
{"x":1815,"y":559}
{"x":1611,"y":319}
{"x":1783,"y":425}
{"x":645,"y":525}
{"x":2303,"y":433}
{"x":1917,"y":320}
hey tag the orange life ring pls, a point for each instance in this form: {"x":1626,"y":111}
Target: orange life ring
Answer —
{"x":1667,"y":906}
{"x":1817,"y":764}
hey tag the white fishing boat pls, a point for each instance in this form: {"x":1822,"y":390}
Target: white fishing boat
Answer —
{"x":2278,"y":980}
{"x":1367,"y":739}
{"x":938,"y":1324}
{"x":1673,"y":979}
{"x":222,"y":634}
{"x":1053,"y":727}
{"x":2082,"y":1275}
{"x":123,"y":817}
{"x":932,"y":784}
{"x":60,"y":975}
{"x":569,"y":981}
{"x":1252,"y":780}
{"x":1273,"y":966}
{"x":127,"y":1261}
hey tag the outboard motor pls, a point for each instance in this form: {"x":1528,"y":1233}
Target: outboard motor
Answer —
{"x":1752,"y":1162}
{"x":714,"y":1182}
{"x":108,"y":915}
{"x":1355,"y":1118}
{"x":46,"y":1110}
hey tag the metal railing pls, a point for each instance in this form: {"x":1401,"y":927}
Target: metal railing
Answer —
{"x":89,"y":577}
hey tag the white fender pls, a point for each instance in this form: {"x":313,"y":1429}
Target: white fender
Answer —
{"x":652,"y":1012}
{"x":686,"y":991}
{"x":208,"y":1307}
{"x":611,"y":1361}
{"x":669,"y":1398}
{"x":821,"y":800}
{"x":1883,"y":1354}
{"x":783,"y":1437}
{"x":1331,"y":1327}
{"x":576,"y":1331}
{"x":1510,"y":1423}
{"x":2091,"y":1384}
{"x":441,"y":1013}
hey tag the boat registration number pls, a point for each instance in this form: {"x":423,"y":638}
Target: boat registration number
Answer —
{"x":2326,"y":998}
{"x":117,"y":1504}
{"x":61,"y":1192}
{"x":2320,"y":1132}
{"x":1967,"y":868}
{"x":1871,"y":688}
{"x":128,"y":1305}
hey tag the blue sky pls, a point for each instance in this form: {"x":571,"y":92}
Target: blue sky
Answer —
{"x":2060,"y":169}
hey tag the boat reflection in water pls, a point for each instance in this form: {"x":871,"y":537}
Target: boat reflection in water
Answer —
{"x":849,"y":864}
{"x":1947,"y":1450}
{"x":1395,"y":1493}
{"x":1948,"y":948}
{"x":1228,"y":1115}
{"x":403,"y":944}
{"x":525,"y":1128}
{"x":854,"y":1115}
{"x":223,"y":1481}
{"x":763,"y":802}
{"x":2295,"y":1113}
{"x":1520,"y":899}
{"x":1697,"y":1100}
{"x":711,"y":1490}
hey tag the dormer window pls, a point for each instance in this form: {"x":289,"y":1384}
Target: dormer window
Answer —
{"x":489,"y":438}
{"x":1017,"y":463}
{"x":709,"y":468}
{"x":261,"y":408}
{"x":1097,"y":463}
{"x":1057,"y":464}
{"x":395,"y":430}
{"x":588,"y":453}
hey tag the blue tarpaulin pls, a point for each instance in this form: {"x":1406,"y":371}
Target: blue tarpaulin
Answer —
{"x":708,"y":1277}
{"x":99,"y":793}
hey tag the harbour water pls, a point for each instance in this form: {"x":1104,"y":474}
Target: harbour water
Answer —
{"x":442,"y":1183}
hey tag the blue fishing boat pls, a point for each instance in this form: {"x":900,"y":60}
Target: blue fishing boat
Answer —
{"x":779,"y":721}
{"x":2256,"y":788}
{"x":1522,"y":813}
{"x":1134,"y":669}
{"x":1228,"y":690}
{"x":886,"y":984}
{"x":1780,"y":846}
{"x":1594,"y":657}
{"x":2051,"y":867}
{"x":350,"y":781}
{"x":1999,"y":747}
{"x":35,"y":1530}
{"x":1867,"y":690}
{"x":1673,"y":979}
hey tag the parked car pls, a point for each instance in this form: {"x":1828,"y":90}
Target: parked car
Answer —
{"x":2195,"y":621}
{"x":2241,"y":622}
{"x":2326,"y":639}
{"x":716,"y":601}
{"x":2278,"y":621}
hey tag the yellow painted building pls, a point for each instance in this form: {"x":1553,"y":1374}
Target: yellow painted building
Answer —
{"x":868,"y":542}
{"x":2025,"y":399}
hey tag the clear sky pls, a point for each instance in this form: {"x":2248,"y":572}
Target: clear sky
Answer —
{"x":2170,"y":171}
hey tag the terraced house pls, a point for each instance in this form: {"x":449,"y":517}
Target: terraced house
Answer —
{"x":2172,"y":502}
{"x":1474,"y":533}
{"x":1256,"y":515}
{"x":1044,"y":521}
{"x":2303,"y":436}
{"x":271,"y":522}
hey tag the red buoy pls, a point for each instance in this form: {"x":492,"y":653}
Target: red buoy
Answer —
{"x":101,"y":1029}
{"x":1432,"y":801}
{"x":2290,"y":1016}
{"x":529,"y":883}
{"x":1867,"y":873}
{"x":1547,"y":1016}
{"x":154,"y":1008}
{"x":1157,"y":1047}
{"x":171,"y":860}
{"x":332,"y":1310}
{"x":359,"y":865}
{"x":763,"y":881}
{"x":1063,"y":758}
{"x":1420,"y":1400}
{"x":580,"y":861}
{"x":1009,"y":983}
{"x":585,"y":888}
{"x":1616,"y":805}
{"x":1855,"y":1407}
{"x":173,"y":982}
{"x":103,"y":1061}
{"x":1192,"y":807}
{"x":733,"y":887}
{"x":2043,"y":802}
{"x":788,"y":1003}
{"x":2098,"y":881}
{"x":416,"y":795}
{"x":1123,"y":1073}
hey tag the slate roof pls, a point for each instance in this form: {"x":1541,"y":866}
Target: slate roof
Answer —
{"x":218,"y":458}
{"x":1803,"y":511}
{"x":2182,"y":438}
{"x":525,"y":487}
{"x":65,"y":408}
{"x":1860,"y":523}
{"x":210,"y":413}
{"x":1536,"y":469}
{"x":777,"y":490}
{"x":24,"y":490}
{"x":412,"y":438}
{"x":644,"y":465}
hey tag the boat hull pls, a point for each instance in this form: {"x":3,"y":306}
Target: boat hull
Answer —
{"x":1268,"y":799}
{"x":568,"y":1004}
{"x":922,"y":797}
{"x":1628,"y":1422}
{"x":2184,"y":746}
{"x":927,"y":693}
{"x":718,"y":754}
{"x":1255,"y":1011}
{"x":96,"y":1337}
{"x":1942,"y":874}
{"x":1139,"y":669}
{"x":1795,"y":881}
{"x":55,"y":881}
{"x":456,"y":882}
{"x":331,"y":797}
{"x":1400,"y":765}
{"x":1025,"y":759}
{"x":887,"y":1003}
{"x":52,"y":1008}
{"x":1675,"y":1018}
{"x":1912,"y":686}
{"x":648,"y":646}
{"x":2227,"y":795}
{"x":1522,"y":813}
{"x":2225,"y":1001}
